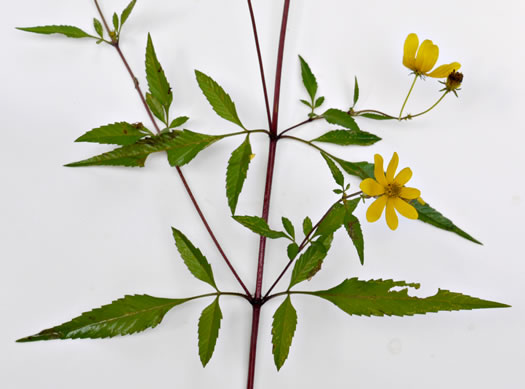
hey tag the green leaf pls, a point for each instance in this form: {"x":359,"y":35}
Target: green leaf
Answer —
{"x":125,"y":316}
{"x":156,"y":108}
{"x":120,"y":133}
{"x":98,"y":27}
{"x":177,"y":122}
{"x":353,"y":228}
{"x":351,"y":205}
{"x":376,"y":298}
{"x":292,"y":250}
{"x":336,"y":173}
{"x":307,"y":225}
{"x":333,"y":221}
{"x":283,"y":330}
{"x":69,"y":31}
{"x":132,"y":155}
{"x":236,"y":172}
{"x":319,"y":102}
{"x":259,"y":226}
{"x":127,"y":11}
{"x":376,"y":116}
{"x":360,"y":169}
{"x":196,"y":262}
{"x":307,"y":103}
{"x":115,"y":21}
{"x":309,"y":81}
{"x":356,"y":92}
{"x":288,"y":227}
{"x":187,"y":145}
{"x":348,"y":137}
{"x":209,"y":324}
{"x":220,"y":101}
{"x":310,"y":262}
{"x":341,"y":118}
{"x":429,"y":215}
{"x":157,"y":82}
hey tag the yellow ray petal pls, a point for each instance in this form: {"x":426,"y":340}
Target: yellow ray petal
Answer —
{"x":370,"y":187}
{"x":392,"y":166}
{"x":409,"y":52}
{"x":375,"y":210}
{"x":427,"y":56}
{"x":405,"y":208}
{"x":391,"y":216}
{"x":444,"y":70}
{"x":379,"y":173}
{"x":409,"y":193}
{"x":403,"y":176}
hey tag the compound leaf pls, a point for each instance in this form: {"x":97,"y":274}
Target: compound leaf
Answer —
{"x":259,"y":226}
{"x":283,"y":330}
{"x":120,"y":133}
{"x":336,"y":173}
{"x":69,"y":31}
{"x":309,"y":81}
{"x":236,"y":172}
{"x":187,"y":145}
{"x":209,"y":325}
{"x":157,"y":82}
{"x":310,"y":262}
{"x":341,"y":118}
{"x":333,"y":220}
{"x":348,"y":137}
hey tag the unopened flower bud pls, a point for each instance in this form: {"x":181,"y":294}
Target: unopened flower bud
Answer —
{"x":454,"y":80}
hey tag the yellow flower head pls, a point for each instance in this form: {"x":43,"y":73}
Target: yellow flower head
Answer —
{"x":392,"y":190}
{"x":426,"y":58}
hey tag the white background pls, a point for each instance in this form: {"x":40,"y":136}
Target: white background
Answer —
{"x":74,"y":239}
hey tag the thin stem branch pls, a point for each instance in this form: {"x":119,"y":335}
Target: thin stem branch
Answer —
{"x":179,"y":171}
{"x":432,"y":107}
{"x":261,"y":67}
{"x":299,"y":125}
{"x":408,"y":95}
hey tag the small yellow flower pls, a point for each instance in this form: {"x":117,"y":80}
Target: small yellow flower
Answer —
{"x":392,"y":190}
{"x":426,"y":58}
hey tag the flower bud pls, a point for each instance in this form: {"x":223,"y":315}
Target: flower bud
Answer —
{"x":454,"y":80}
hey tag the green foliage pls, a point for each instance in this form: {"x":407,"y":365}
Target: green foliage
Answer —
{"x":125,"y":316}
{"x":292,"y":250}
{"x":220,"y":101}
{"x":187,"y":145}
{"x":356,"y":92}
{"x":158,"y":84}
{"x":309,"y":81}
{"x":341,"y":118}
{"x":283,"y":330}
{"x":375,"y":116}
{"x":69,"y":31}
{"x":336,"y":173}
{"x":115,"y":21}
{"x":196,"y":262}
{"x":259,"y":226}
{"x":127,"y":11}
{"x":209,"y":325}
{"x":177,"y":122}
{"x":360,"y":169}
{"x":288,"y":227}
{"x":376,"y":298}
{"x":429,"y":215}
{"x":236,"y":172}
{"x":310,"y":262}
{"x":319,"y":102}
{"x":333,"y":220}
{"x":353,"y":228}
{"x":348,"y":137}
{"x":156,"y":107}
{"x":120,"y":133}
{"x":98,"y":27}
{"x":307,"y":225}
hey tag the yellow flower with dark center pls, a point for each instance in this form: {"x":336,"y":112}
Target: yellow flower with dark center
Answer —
{"x":426,"y":58}
{"x":392,"y":192}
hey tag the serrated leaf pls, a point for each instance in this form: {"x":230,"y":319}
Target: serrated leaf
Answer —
{"x":125,"y":316}
{"x":220,"y":101}
{"x":69,"y":31}
{"x":156,"y":108}
{"x":98,"y":27}
{"x":177,"y":122}
{"x":356,"y":92}
{"x":353,"y":228}
{"x":307,"y":226}
{"x":351,"y":205}
{"x":376,"y":298}
{"x":209,"y":325}
{"x":360,"y":169}
{"x":127,"y":11}
{"x":376,"y":116}
{"x":259,"y":226}
{"x":333,"y":221}
{"x":187,"y":145}
{"x":429,"y":215}
{"x":341,"y":118}
{"x":292,"y":250}
{"x":309,"y":81}
{"x":236,"y":172}
{"x":319,"y":102}
{"x":157,"y":82}
{"x":348,"y":137}
{"x":115,"y":21}
{"x":310,"y":262}
{"x":120,"y":133}
{"x":196,"y":262}
{"x":336,"y":173}
{"x":283,"y":329}
{"x":288,"y":227}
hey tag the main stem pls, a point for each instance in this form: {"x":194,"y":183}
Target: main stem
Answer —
{"x":257,"y":302}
